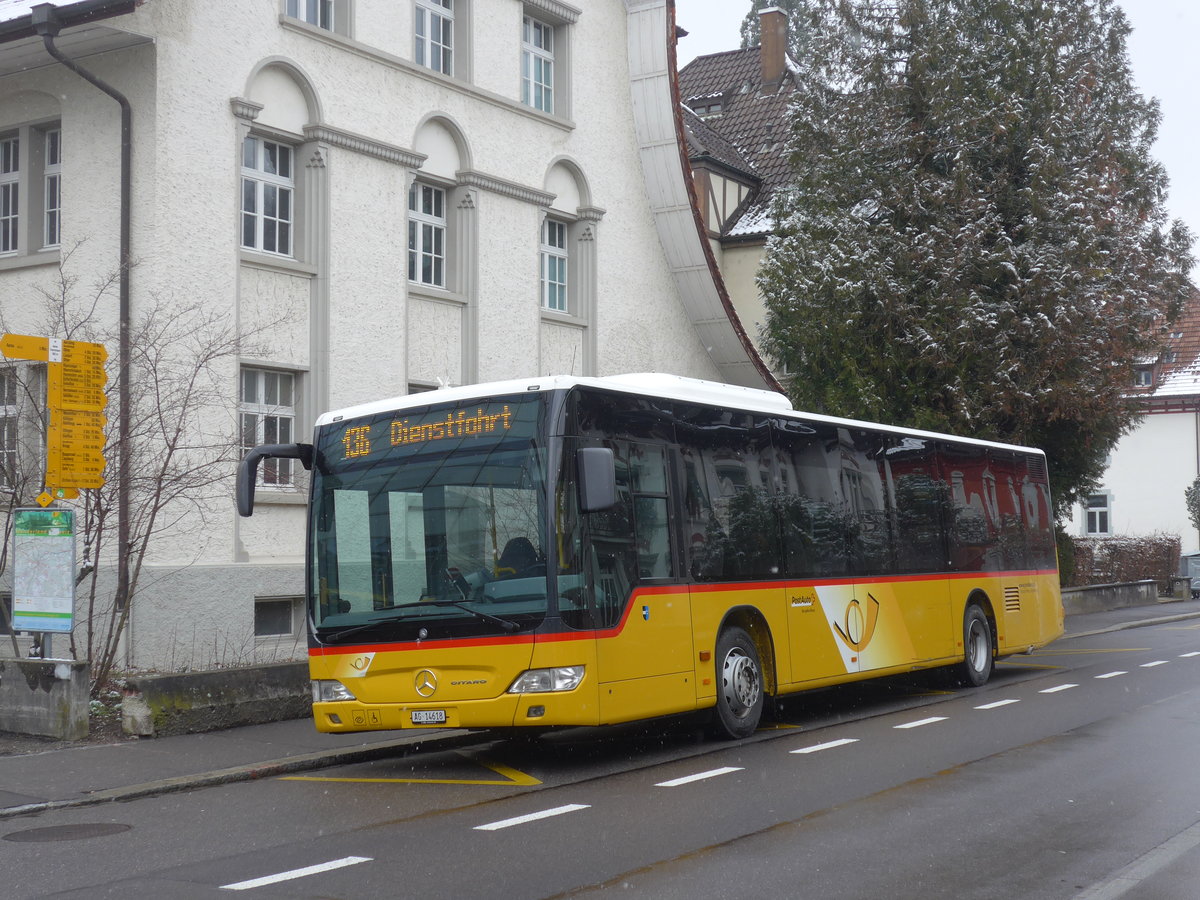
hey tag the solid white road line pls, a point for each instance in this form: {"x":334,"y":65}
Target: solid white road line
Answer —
{"x":828,"y":745}
{"x":1113,"y":674}
{"x":532,"y":817}
{"x":920,"y":722}
{"x":296,"y":873}
{"x":997,"y":704}
{"x":1061,"y":687}
{"x":699,"y":776}
{"x":1144,"y":867}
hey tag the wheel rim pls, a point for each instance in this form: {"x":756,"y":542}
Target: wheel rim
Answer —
{"x":977,"y":646}
{"x":740,"y":684}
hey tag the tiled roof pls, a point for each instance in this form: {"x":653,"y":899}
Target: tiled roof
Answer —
{"x":704,"y":141}
{"x":752,"y":120}
{"x":1180,"y":377}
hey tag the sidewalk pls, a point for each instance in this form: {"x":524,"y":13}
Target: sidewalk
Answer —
{"x":83,"y":775}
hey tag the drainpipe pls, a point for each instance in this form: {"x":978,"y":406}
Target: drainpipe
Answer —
{"x":46,"y":23}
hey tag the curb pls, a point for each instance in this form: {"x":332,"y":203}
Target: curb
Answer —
{"x":1136,"y":623}
{"x":305,"y":762}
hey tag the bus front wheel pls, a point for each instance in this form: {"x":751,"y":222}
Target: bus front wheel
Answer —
{"x":739,"y":685}
{"x":978,"y":659}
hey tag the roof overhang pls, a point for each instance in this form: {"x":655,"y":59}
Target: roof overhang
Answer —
{"x":85,"y":29}
{"x":662,"y":145}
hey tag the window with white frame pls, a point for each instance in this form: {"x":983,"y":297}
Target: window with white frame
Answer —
{"x":10,"y":193}
{"x":1098,"y":509}
{"x":433,"y":30}
{"x":1143,"y":376}
{"x":52,"y":182}
{"x":314,"y":12}
{"x":537,"y":64}
{"x":9,"y":419}
{"x":427,"y":235}
{"x":276,"y":617}
{"x":546,"y":55}
{"x":268,"y":195}
{"x":30,"y":190}
{"x":553,"y":264}
{"x":268,"y":416}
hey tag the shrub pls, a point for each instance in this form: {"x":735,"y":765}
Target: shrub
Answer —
{"x":1123,"y":559}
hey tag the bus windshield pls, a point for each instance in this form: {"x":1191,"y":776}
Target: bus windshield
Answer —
{"x":430,"y":522}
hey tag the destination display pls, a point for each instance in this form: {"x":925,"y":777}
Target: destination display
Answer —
{"x":409,"y":430}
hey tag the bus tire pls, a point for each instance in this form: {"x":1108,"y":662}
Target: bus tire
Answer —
{"x":740,"y":695}
{"x":978,"y":657}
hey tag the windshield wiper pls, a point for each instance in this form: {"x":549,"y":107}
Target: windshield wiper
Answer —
{"x":357,"y":629}
{"x":505,"y":624}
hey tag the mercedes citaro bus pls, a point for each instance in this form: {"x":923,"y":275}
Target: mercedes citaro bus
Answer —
{"x":569,"y":551}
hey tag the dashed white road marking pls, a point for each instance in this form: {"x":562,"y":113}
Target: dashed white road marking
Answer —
{"x":1057,"y":688}
{"x":699,"y":776}
{"x":1189,"y":655}
{"x":997,"y":704}
{"x":1157,"y":662}
{"x":828,"y":745}
{"x":532,"y":817}
{"x":1113,"y":674}
{"x":920,"y":722}
{"x":296,"y":873}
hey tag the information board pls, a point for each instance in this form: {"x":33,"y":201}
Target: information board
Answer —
{"x":43,"y":569}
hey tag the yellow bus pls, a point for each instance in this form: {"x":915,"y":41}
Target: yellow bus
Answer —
{"x":569,"y":551}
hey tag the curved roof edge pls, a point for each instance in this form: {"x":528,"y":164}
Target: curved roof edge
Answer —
{"x":658,"y":123}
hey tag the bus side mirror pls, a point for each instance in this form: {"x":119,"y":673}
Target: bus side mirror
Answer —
{"x":248,"y":470}
{"x":597,"y":479}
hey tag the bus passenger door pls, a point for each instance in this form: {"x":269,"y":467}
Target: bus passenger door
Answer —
{"x":816,"y":537}
{"x":644,"y":641}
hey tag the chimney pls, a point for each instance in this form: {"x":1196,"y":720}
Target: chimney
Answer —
{"x":772,"y":51}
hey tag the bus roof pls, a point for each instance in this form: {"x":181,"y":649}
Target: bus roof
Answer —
{"x":651,"y":384}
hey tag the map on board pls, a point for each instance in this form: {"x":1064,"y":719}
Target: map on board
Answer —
{"x":43,"y":570}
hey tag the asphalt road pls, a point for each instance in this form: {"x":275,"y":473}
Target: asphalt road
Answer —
{"x":1072,"y":774}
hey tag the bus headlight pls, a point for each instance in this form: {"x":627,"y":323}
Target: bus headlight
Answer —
{"x":330,"y":691}
{"x":539,"y":681}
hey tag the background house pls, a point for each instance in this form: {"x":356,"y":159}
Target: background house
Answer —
{"x":1149,"y":469}
{"x":735,"y":118}
{"x":384,"y":196}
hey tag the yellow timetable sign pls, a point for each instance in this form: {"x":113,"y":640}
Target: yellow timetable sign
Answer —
{"x":75,"y":383}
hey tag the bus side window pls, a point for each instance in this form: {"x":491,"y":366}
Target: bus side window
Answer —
{"x":648,"y":479}
{"x":972,"y":536}
{"x":813,"y":516}
{"x":729,"y":470}
{"x":921,"y":500}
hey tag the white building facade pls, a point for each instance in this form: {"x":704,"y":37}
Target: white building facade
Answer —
{"x":1142,"y":491}
{"x":381,"y":196}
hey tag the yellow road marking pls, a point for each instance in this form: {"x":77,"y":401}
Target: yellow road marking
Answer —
{"x":1026,"y":665}
{"x":512,"y":777}
{"x":1065,"y":652}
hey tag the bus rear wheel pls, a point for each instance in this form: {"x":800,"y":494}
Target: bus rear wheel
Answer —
{"x":739,"y":685}
{"x":978,"y":658}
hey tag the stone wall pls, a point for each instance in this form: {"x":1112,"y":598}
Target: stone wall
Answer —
{"x":44,"y":696}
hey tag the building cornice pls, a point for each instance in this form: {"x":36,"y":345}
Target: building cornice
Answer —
{"x":564,"y":12}
{"x":348,"y":140}
{"x":504,"y":188}
{"x":245,"y":109}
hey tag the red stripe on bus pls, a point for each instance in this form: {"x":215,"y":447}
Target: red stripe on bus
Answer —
{"x":658,"y":591}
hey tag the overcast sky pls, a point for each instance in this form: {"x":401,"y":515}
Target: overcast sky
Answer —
{"x":1162,"y":49}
